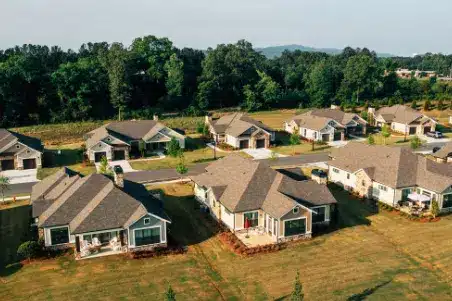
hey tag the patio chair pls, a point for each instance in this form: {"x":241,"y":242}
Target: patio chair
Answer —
{"x":96,"y":242}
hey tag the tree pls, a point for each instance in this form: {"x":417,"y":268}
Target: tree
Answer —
{"x":142,"y":148}
{"x":118,"y":77}
{"x":294,"y":140}
{"x":427,"y":105}
{"x":371,"y":140}
{"x":170,"y":295}
{"x":415,"y":142}
{"x":174,"y":68}
{"x":267,"y":89}
{"x":414,"y":104}
{"x":435,"y":209}
{"x":180,"y":167}
{"x":29,"y":250}
{"x":250,"y":99}
{"x":440,"y":105}
{"x":385,"y":132}
{"x":297,"y":293}
{"x":203,"y":129}
{"x":321,"y":84}
{"x":4,"y":185}
{"x":174,"y":149}
{"x":103,"y":166}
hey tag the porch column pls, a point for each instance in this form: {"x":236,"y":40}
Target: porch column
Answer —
{"x":343,"y":135}
{"x":364,"y":130}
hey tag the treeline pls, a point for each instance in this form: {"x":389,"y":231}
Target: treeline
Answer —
{"x":39,"y":84}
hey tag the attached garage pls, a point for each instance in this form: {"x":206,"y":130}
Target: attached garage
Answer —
{"x":98,"y":156}
{"x":244,"y":144}
{"x":427,"y":129}
{"x":8,"y":164}
{"x":29,"y":163}
{"x":260,"y":143}
{"x":119,"y":155}
{"x":337,"y":136}
{"x":412,"y":130}
{"x":325,"y":137}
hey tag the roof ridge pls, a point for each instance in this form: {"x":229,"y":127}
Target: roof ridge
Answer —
{"x":62,"y":199}
{"x":84,"y":213}
{"x":255,"y":167}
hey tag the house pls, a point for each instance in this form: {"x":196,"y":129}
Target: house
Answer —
{"x":402,"y":119}
{"x":326,"y":125}
{"x":444,"y":154}
{"x":118,"y":140}
{"x":95,"y":215}
{"x":407,"y":73}
{"x":450,"y":119}
{"x":239,"y":191}
{"x":18,"y":151}
{"x":391,"y":174}
{"x":240,"y":131}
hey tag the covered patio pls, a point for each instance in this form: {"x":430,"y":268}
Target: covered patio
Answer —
{"x":97,"y":244}
{"x":416,"y":204}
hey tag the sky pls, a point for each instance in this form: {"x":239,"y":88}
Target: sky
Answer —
{"x":401,"y":27}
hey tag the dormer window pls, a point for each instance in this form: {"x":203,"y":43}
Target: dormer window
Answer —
{"x":295,"y":210}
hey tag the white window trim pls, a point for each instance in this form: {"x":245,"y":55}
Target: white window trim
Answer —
{"x":148,"y":219}
{"x":134,"y":236}
{"x":257,"y":211}
{"x":58,"y":227}
{"x":324,"y":206}
{"x":292,"y":219}
{"x":297,"y":209}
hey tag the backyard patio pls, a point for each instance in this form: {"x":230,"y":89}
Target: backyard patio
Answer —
{"x":254,"y":237}
{"x":416,"y":204}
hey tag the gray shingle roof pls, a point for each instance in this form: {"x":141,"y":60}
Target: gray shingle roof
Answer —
{"x":251,"y":185}
{"x":399,"y":114}
{"x":395,"y":167}
{"x":7,"y":137}
{"x":444,"y":152}
{"x":337,"y":115}
{"x":91,"y":203}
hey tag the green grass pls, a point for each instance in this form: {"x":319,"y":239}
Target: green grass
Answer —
{"x":372,"y":256}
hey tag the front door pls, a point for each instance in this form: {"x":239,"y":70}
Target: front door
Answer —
{"x":29,"y":163}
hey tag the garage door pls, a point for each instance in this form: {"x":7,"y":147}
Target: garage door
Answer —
{"x":412,"y":130}
{"x":260,"y":143}
{"x":7,"y":164}
{"x":244,"y":144}
{"x":98,"y":156}
{"x":325,"y":137}
{"x":427,"y":129}
{"x":119,"y":155}
{"x":337,"y":136}
{"x":29,"y":163}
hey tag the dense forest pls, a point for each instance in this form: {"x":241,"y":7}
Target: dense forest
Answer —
{"x":39,"y":84}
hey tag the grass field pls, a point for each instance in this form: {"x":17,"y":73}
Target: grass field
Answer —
{"x":373,"y":256}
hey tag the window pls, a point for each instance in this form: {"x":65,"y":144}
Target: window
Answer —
{"x":295,"y":227}
{"x":348,"y":176}
{"x":383,"y":188}
{"x":275,"y":226}
{"x":17,"y":145}
{"x":304,"y":132}
{"x":59,"y":235}
{"x":295,"y":210}
{"x":147,"y":236}
{"x":363,"y":183}
{"x":315,"y":135}
{"x":252,"y":217}
{"x":405,"y":193}
{"x":447,"y":201}
{"x":335,"y":170}
{"x":147,"y":221}
{"x":318,"y":215}
{"x":426,"y":193}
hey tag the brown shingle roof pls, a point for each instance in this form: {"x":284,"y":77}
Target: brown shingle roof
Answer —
{"x":306,"y":120}
{"x":237,"y":123}
{"x":337,"y":115}
{"x":444,"y":152}
{"x":395,"y":167}
{"x":251,"y":185}
{"x":399,"y":114}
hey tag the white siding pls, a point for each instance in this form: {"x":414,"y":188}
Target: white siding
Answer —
{"x":382,"y":195}
{"x":227,"y":217}
{"x":341,"y":177}
{"x":400,"y":127}
{"x":100,"y":147}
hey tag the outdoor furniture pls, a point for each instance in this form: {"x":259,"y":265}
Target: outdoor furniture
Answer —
{"x":115,"y":244}
{"x":96,"y":242}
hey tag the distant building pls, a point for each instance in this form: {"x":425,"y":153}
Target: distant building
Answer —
{"x":407,"y":73}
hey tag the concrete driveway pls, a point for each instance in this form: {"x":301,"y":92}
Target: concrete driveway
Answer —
{"x":21,"y":176}
{"x":434,"y":140}
{"x":260,"y":153}
{"x":123,"y":163}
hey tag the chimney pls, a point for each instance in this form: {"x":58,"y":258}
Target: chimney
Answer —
{"x":156,"y":117}
{"x":208,"y":119}
{"x":118,"y":176}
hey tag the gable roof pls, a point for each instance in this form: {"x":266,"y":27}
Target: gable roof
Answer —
{"x":395,"y":167}
{"x":306,"y":120}
{"x":399,"y":114}
{"x":8,"y":137}
{"x":444,"y":151}
{"x":237,"y":123}
{"x":243,"y":185}
{"x":126,"y":131}
{"x":341,"y":117}
{"x":91,"y":203}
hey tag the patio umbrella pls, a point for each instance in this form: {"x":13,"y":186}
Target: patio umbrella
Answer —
{"x":418,"y":197}
{"x":247,"y":223}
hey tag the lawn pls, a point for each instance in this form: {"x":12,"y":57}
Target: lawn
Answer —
{"x":372,"y":256}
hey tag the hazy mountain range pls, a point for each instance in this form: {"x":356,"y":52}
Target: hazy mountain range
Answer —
{"x":275,"y":51}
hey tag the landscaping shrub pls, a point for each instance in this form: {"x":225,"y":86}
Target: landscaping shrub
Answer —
{"x":226,"y":147}
{"x":174,"y":149}
{"x":29,"y":250}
